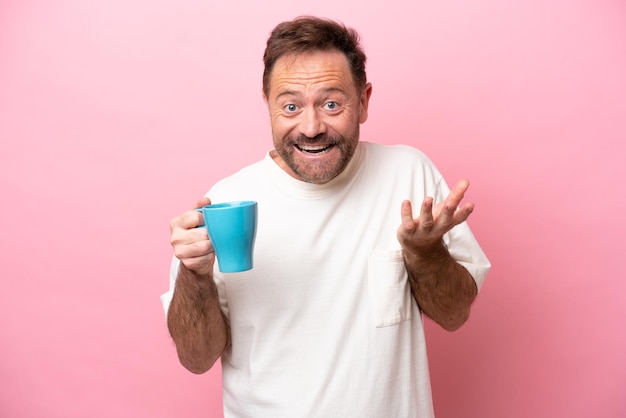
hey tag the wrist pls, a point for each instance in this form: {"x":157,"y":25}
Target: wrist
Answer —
{"x":195,"y":279}
{"x":426,"y":254}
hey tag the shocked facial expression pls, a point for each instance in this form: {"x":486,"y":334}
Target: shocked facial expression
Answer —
{"x":315,"y":111}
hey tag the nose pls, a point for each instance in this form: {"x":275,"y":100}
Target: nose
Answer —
{"x":312,"y":123}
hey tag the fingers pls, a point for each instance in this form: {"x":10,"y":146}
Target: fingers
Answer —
{"x":192,"y":251}
{"x":433,"y":222}
{"x":444,"y":216}
{"x":187,"y":220}
{"x":451,"y":214}
{"x":186,"y":238}
{"x":406,"y":213}
{"x":191,"y":244}
{"x":457,"y":193}
{"x":426,"y":220}
{"x":463,"y":213}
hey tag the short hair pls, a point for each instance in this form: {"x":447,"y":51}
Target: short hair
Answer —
{"x":310,"y":34}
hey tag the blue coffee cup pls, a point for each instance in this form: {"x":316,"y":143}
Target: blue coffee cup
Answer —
{"x":232,"y":230}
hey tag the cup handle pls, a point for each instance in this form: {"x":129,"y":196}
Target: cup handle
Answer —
{"x":200,"y":210}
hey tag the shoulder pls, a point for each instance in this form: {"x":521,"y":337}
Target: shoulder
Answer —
{"x":403,"y":172}
{"x":239,"y":185}
{"x":398,"y":156}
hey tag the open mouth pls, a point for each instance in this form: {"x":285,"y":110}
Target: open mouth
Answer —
{"x":314,"y":149}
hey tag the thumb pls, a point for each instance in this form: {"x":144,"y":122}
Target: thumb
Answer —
{"x":202,"y":202}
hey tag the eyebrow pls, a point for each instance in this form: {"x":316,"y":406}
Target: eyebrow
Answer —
{"x":286,"y":93}
{"x":326,"y":90}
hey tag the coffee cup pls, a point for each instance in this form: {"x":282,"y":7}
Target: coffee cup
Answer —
{"x":232,"y":230}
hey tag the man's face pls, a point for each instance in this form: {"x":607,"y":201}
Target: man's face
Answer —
{"x":315,"y":111}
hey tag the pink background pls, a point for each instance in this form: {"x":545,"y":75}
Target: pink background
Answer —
{"x":117,"y":115}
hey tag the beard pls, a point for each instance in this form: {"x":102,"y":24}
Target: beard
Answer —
{"x":318,"y":170}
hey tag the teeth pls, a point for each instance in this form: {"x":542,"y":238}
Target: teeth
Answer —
{"x":313,"y":148}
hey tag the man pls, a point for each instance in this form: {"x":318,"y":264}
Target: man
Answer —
{"x":328,"y":323}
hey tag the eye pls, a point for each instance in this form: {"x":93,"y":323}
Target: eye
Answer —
{"x":331,"y":105}
{"x":290,"y":108}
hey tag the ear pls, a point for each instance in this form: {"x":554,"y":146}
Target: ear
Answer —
{"x":364,"y":102}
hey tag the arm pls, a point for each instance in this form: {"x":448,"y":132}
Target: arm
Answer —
{"x":194,"y":319}
{"x":443,"y":289}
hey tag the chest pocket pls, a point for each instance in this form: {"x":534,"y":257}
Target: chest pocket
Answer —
{"x":389,"y":288}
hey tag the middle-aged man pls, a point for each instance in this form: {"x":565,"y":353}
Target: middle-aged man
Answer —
{"x":328,"y":323}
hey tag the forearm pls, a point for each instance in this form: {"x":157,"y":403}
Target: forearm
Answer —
{"x":443,"y":289}
{"x":196,"y":323}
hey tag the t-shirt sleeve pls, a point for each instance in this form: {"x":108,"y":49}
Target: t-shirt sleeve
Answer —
{"x":462,"y":245}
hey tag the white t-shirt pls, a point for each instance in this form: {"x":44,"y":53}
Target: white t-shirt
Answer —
{"x":325,"y":325}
